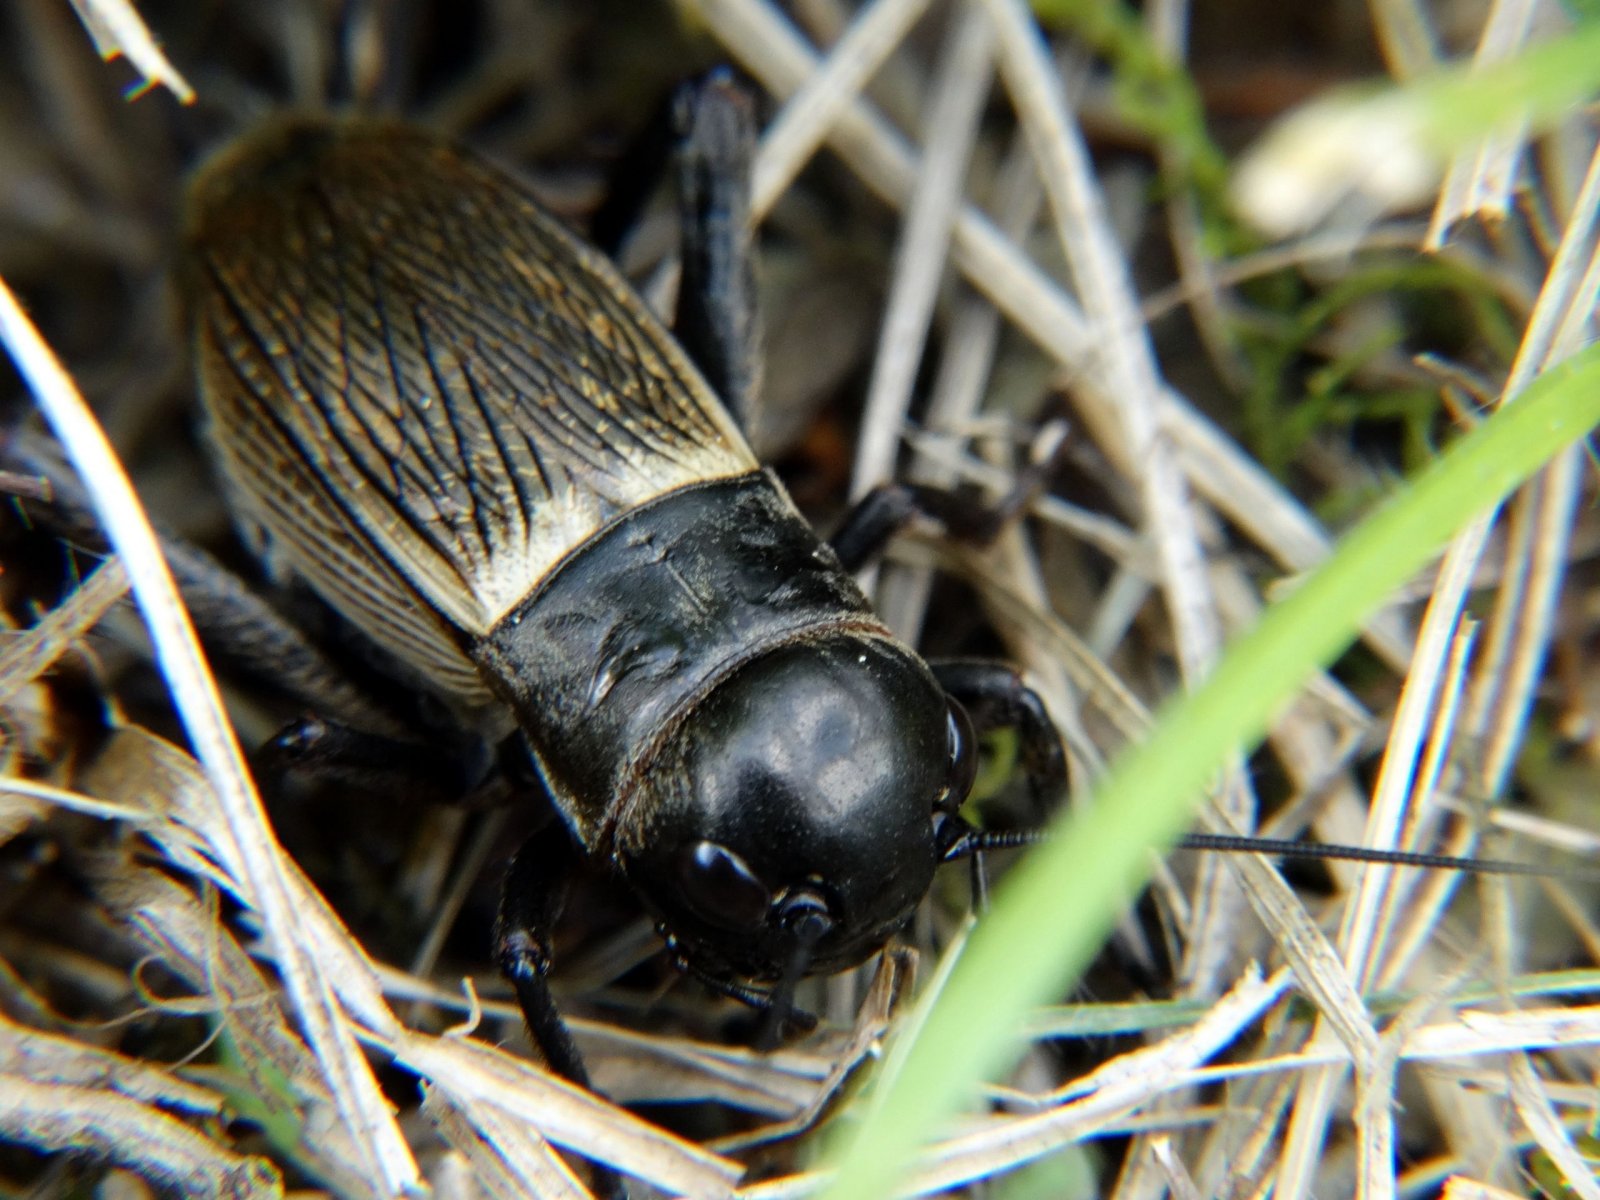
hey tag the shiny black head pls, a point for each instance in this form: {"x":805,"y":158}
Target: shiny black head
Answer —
{"x":792,"y":822}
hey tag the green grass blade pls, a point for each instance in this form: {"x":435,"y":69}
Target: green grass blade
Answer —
{"x":1074,"y":885}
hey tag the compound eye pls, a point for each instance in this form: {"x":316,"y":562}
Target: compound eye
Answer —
{"x":963,"y":768}
{"x":721,"y":888}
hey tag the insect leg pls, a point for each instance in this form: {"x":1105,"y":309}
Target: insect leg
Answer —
{"x":718,"y":319}
{"x":354,"y":739}
{"x":706,"y":131}
{"x":995,"y":697}
{"x":377,"y":764}
{"x":236,"y":623}
{"x":890,"y":507}
{"x":535,"y":890}
{"x":530,"y":904}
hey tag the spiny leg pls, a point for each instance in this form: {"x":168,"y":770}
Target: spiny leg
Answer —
{"x":535,"y":890}
{"x":718,"y":319}
{"x":705,"y":134}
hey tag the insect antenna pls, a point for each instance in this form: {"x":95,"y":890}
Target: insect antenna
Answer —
{"x":970,"y":842}
{"x":1228,"y":843}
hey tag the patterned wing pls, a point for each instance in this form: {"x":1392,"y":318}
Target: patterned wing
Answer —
{"x":421,"y":385}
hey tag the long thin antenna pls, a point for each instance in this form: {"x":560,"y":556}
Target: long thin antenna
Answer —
{"x":1283,"y":848}
{"x":974,"y":842}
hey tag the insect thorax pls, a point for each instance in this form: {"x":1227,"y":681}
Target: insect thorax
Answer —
{"x":620,"y":641}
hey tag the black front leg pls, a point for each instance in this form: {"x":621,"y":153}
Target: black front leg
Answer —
{"x":530,"y":905}
{"x":535,"y":890}
{"x":995,"y":697}
{"x":890,"y":507}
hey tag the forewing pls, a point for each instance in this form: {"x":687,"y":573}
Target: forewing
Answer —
{"x":428,"y":390}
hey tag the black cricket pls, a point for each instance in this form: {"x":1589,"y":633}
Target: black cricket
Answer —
{"x":462,"y":427}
